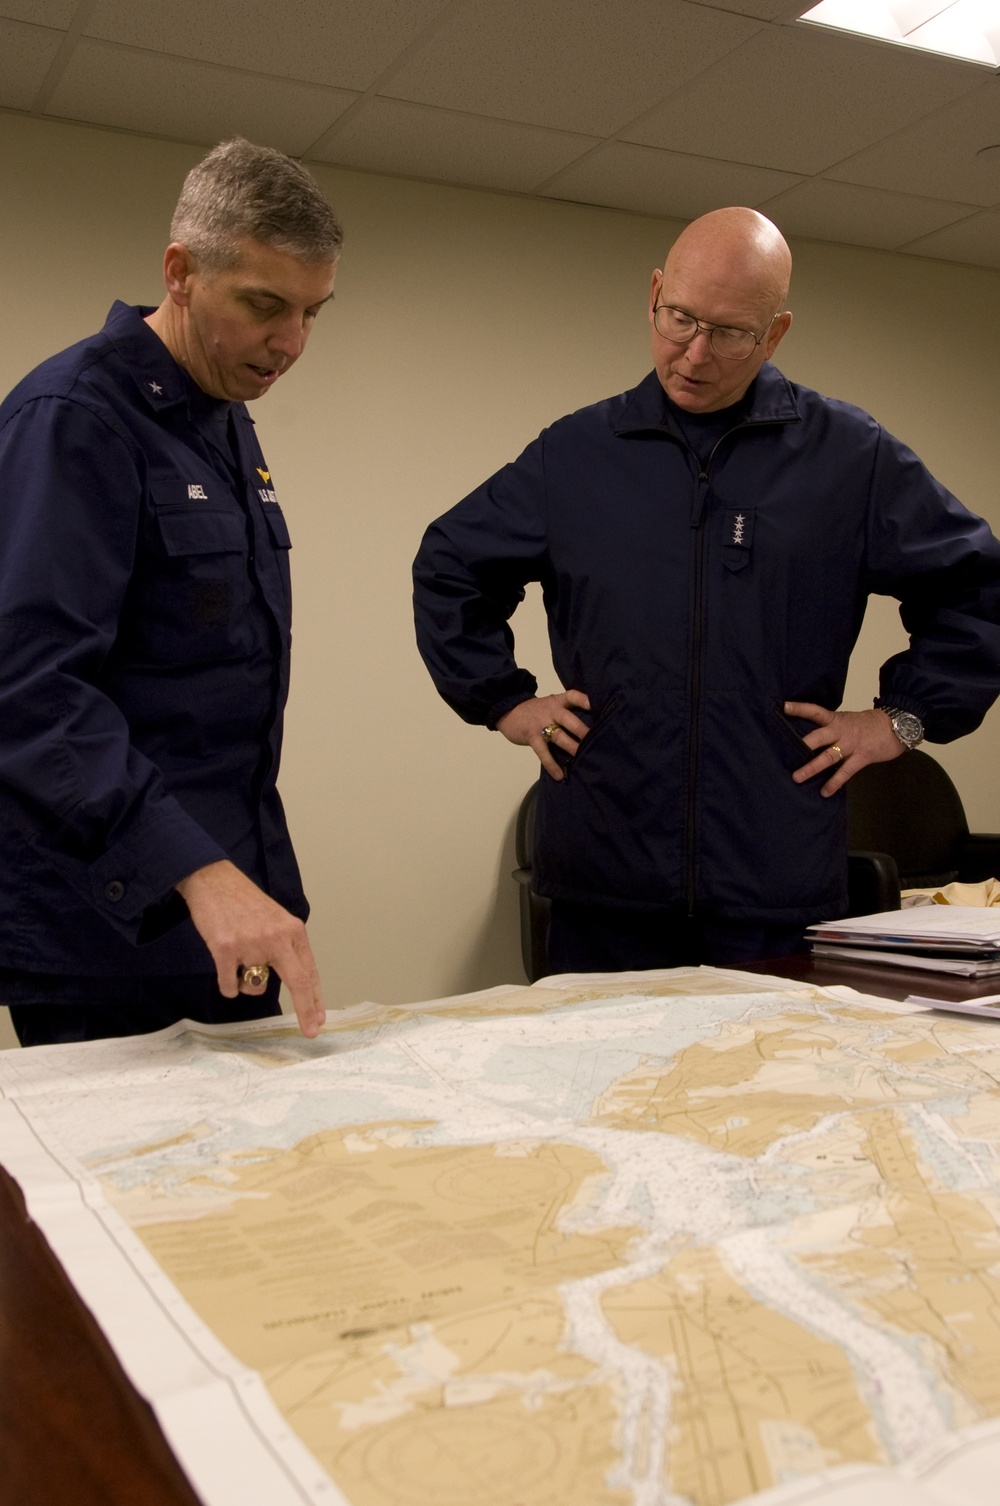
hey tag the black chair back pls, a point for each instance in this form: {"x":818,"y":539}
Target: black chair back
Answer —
{"x":910,"y":809}
{"x":534,"y":908}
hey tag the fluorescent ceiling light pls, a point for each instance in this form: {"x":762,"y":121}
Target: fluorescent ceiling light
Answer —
{"x":958,"y":28}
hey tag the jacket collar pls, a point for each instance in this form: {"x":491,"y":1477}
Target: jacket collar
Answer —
{"x":151,"y":366}
{"x":772,"y":401}
{"x":161,"y":381}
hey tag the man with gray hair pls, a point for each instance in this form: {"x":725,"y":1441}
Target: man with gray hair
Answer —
{"x":148,"y":873}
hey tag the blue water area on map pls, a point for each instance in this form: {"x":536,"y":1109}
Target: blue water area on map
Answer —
{"x":953,"y":1167}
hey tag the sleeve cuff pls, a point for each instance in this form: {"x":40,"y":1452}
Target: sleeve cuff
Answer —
{"x":903,"y":702}
{"x":131,"y":884}
{"x":500,"y":710}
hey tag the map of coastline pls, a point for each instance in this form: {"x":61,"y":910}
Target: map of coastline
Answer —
{"x":676,"y":1240}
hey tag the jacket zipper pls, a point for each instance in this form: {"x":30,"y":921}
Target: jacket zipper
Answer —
{"x":694,"y":696}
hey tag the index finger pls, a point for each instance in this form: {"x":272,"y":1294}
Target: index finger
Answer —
{"x":302,"y":978}
{"x":576,"y":698}
{"x":810,"y":712}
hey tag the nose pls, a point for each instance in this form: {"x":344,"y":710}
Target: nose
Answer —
{"x":288,"y":338}
{"x":699,"y":347}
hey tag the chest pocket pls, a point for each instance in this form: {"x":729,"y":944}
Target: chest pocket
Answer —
{"x":195,"y":603}
{"x":737,"y":537}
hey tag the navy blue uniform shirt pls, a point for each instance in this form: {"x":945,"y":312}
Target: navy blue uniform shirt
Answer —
{"x":145,"y":626}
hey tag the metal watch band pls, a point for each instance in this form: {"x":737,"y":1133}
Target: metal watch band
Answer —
{"x":907,"y":727}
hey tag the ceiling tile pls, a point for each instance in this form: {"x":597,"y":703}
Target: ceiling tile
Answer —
{"x":393,"y":136}
{"x":975,"y":240}
{"x":39,"y":12}
{"x":26,"y":53}
{"x":827,"y":211}
{"x":665,"y":183}
{"x":802,"y":99}
{"x":144,"y":91}
{"x":937,"y":155}
{"x":347,"y":44}
{"x":574,"y":65}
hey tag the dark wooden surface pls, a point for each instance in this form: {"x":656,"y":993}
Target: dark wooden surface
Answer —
{"x":73,"y":1430}
{"x":886,"y":981}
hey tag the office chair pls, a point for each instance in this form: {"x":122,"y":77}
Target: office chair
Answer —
{"x":906,"y":830}
{"x":909,"y":811}
{"x":534,"y":908}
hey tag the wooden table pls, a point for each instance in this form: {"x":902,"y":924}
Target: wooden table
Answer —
{"x":886,"y":981}
{"x":75,"y":1432}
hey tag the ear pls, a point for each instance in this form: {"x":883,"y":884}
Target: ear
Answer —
{"x":179,"y":266}
{"x":655,"y":285}
{"x":777,"y":332}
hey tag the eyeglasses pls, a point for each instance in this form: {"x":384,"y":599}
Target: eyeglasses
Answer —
{"x":681,"y":327}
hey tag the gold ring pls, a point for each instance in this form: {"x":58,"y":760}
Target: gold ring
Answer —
{"x":550,"y":731}
{"x":255,"y":976}
{"x":836,"y":748}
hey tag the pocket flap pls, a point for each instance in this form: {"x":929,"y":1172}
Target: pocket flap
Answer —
{"x":189,"y":530}
{"x":737,"y":537}
{"x":277,"y":525}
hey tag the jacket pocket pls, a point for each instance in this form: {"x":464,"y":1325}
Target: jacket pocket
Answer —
{"x":602,"y":720}
{"x":737,"y":537}
{"x":192,"y":587}
{"x":792,"y":749}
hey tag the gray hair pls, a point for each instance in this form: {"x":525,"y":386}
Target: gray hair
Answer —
{"x":242,"y":190}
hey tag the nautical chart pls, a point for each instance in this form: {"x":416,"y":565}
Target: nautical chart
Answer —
{"x":647,"y":1240}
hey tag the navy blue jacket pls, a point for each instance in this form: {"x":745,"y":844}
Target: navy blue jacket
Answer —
{"x":145,"y":619}
{"x":689,"y":605}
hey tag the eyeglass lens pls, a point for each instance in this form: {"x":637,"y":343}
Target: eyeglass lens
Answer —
{"x":675,"y":324}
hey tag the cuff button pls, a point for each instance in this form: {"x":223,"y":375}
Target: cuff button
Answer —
{"x":114,"y":891}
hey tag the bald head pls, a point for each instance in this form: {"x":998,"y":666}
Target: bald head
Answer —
{"x":738,"y":249}
{"x":730,"y":268}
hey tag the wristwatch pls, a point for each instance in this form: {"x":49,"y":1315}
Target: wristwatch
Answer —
{"x":907,"y":727}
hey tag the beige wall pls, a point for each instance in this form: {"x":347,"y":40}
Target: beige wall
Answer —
{"x":464,"y":322}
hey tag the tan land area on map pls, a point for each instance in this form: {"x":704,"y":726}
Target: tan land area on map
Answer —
{"x":400,"y":1303}
{"x":751,"y":1086}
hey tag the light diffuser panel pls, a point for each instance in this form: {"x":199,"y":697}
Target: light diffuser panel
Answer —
{"x":967,"y":29}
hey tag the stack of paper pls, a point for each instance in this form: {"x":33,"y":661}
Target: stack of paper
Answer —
{"x":946,"y":938}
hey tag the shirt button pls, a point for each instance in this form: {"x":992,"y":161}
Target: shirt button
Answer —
{"x":114,"y":891}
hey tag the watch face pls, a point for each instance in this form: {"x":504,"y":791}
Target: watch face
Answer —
{"x":908,"y":728}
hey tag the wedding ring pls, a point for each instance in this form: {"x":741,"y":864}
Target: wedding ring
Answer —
{"x":550,"y":731}
{"x":255,"y":976}
{"x":836,"y":748}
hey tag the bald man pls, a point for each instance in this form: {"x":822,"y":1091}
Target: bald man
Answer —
{"x":706,"y":543}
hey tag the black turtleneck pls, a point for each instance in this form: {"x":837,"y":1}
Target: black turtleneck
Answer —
{"x":702,"y":431}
